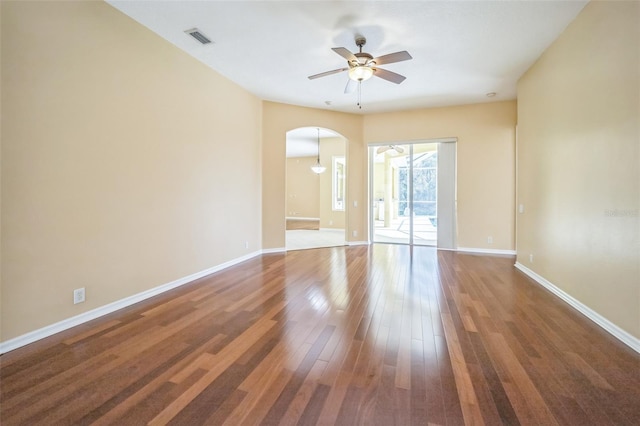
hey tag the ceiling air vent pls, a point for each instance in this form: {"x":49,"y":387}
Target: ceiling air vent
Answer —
{"x":195,"y":33}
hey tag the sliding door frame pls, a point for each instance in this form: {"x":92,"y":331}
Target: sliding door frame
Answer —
{"x":449,"y":184}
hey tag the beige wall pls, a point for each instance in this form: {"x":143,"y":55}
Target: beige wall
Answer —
{"x":277,"y":120}
{"x":303,"y":188}
{"x":122,"y":161}
{"x":486,"y":171}
{"x":485,"y":163}
{"x":579,"y":161}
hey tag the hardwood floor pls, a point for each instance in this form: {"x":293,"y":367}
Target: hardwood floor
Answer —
{"x":376,"y":335}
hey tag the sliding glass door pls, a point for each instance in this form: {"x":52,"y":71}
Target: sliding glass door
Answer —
{"x":391,"y":222}
{"x":405,"y":193}
{"x":424,"y":184}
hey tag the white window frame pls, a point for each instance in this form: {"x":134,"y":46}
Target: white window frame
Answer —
{"x":338,"y":183}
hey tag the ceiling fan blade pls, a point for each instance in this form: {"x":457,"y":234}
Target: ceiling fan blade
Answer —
{"x":351,"y":86}
{"x":323,"y":74}
{"x":389,"y":75}
{"x":392,"y":57}
{"x":345,"y":53}
{"x":395,"y":148}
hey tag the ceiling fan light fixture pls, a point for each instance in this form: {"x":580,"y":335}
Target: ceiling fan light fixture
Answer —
{"x":360,"y":73}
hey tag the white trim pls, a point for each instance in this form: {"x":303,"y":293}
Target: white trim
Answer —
{"x":274,"y":250}
{"x":301,"y":218}
{"x":341,"y":230}
{"x":335,"y":160}
{"x":413,"y":141}
{"x":620,"y":334}
{"x":486,"y":251}
{"x":65,"y":324}
{"x":358,"y":243}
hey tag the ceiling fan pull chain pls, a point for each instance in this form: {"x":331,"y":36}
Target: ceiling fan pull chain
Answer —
{"x":360,"y":94}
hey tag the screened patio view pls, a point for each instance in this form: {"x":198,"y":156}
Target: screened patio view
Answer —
{"x":404,"y":190}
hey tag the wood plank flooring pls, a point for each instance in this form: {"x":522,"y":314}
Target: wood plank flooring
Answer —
{"x":374,"y":335}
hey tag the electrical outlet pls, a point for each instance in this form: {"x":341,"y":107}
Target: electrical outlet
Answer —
{"x":531,"y":258}
{"x":490,"y":240}
{"x":354,"y":233}
{"x":521,"y":208}
{"x":78,"y":295}
{"x":246,"y":244}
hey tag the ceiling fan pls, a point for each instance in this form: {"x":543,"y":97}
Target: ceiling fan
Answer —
{"x":362,"y":66}
{"x":396,"y":148}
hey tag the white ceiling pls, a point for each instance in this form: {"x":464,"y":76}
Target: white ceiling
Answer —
{"x":461,"y":50}
{"x":303,"y":142}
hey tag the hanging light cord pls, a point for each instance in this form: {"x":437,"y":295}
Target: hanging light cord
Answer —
{"x":318,"y":145}
{"x":360,"y":92}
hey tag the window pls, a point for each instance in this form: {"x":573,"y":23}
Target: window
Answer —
{"x":338,"y":183}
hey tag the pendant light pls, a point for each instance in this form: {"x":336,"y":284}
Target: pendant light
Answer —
{"x":318,"y":168}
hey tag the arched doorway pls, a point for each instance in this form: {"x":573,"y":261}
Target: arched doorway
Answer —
{"x":315,"y":203}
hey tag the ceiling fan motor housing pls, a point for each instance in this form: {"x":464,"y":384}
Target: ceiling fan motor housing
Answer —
{"x":363,"y":58}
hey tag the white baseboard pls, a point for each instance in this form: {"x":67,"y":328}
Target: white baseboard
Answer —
{"x":358,"y":243}
{"x":486,"y":251}
{"x":301,"y":218}
{"x":65,"y":324}
{"x":620,"y":334}
{"x":333,"y":230}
